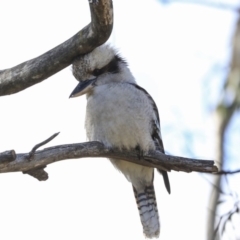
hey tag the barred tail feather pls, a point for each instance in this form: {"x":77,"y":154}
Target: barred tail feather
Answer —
{"x":148,"y":211}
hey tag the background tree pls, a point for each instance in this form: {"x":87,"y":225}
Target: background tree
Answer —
{"x":227,"y":107}
{"x":223,"y":217}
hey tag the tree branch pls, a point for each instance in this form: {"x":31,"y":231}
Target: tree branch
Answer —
{"x":38,"y":173}
{"x":7,"y":156}
{"x":38,"y":69}
{"x":228,"y":172}
{"x":40,"y":159}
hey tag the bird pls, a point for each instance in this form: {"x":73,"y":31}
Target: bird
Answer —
{"x":121,"y":114}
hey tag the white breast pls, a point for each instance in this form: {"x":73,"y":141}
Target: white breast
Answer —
{"x":120,"y":115}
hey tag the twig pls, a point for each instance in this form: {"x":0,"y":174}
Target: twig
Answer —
{"x":216,"y":187}
{"x":228,"y":172}
{"x":39,"y":172}
{"x":41,"y":144}
{"x":213,"y":4}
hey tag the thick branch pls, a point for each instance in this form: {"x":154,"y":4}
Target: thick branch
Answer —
{"x":96,"y":149}
{"x":36,"y":70}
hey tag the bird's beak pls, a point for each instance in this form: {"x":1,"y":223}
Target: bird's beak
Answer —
{"x":82,"y":88}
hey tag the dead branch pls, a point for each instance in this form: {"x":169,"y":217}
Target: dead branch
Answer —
{"x":40,"y":159}
{"x":38,"y":173}
{"x":7,"y":156}
{"x":38,"y":69}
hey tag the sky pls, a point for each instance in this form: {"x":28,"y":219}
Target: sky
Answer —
{"x":171,"y":49}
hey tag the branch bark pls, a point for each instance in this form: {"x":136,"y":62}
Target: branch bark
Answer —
{"x":50,"y":155}
{"x":38,"y":69}
{"x":7,"y":156}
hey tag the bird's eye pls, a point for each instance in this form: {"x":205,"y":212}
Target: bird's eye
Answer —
{"x":97,"y":72}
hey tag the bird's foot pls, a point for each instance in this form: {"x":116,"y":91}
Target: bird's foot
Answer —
{"x":139,"y":152}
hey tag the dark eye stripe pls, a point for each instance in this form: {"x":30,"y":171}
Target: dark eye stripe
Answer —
{"x":111,"y":67}
{"x":97,"y":72}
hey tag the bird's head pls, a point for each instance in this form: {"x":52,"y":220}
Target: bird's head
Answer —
{"x":101,"y":66}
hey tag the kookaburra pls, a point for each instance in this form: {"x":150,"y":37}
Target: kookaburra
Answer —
{"x":122,"y":115}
